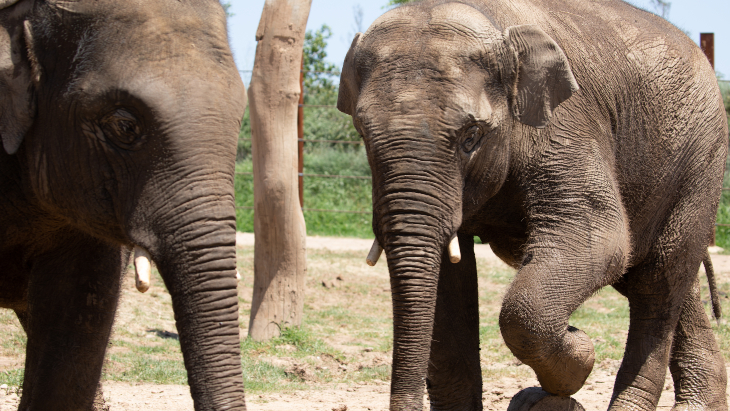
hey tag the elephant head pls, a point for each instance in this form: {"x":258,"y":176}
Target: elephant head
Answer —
{"x":437,"y":94}
{"x":123,"y":117}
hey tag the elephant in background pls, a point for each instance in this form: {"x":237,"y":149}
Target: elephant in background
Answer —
{"x":119,"y":122}
{"x":585,"y":141}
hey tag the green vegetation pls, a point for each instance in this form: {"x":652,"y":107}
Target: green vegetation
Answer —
{"x":722,"y":234}
{"x":392,"y":3}
{"x":227,"y":6}
{"x":322,"y":121}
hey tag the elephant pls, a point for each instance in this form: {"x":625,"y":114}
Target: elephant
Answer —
{"x":585,"y":142}
{"x":119,"y":124}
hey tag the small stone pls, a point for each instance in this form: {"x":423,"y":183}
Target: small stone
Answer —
{"x":535,"y":399}
{"x":4,"y":387}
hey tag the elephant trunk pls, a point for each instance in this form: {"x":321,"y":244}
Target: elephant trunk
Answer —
{"x":189,"y":230}
{"x":199,"y":269}
{"x":414,"y":226}
{"x":413,"y":263}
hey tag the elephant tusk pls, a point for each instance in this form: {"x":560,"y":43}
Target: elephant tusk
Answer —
{"x":238,"y":275}
{"x":142,"y":269}
{"x":375,"y":251}
{"x":454,"y":251}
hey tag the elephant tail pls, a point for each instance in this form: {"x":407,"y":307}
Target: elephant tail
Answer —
{"x":714,"y":297}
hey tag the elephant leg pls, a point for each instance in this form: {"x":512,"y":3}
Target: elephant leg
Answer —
{"x":72,"y":298}
{"x":454,"y":378}
{"x":23,"y":318}
{"x":655,"y":295}
{"x":697,"y":365}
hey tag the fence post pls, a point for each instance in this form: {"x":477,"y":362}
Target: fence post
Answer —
{"x":300,"y":140}
{"x":279,"y":227}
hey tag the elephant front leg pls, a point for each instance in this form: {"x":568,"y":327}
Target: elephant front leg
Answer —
{"x":697,"y":365}
{"x":73,"y":294}
{"x":454,"y":378}
{"x":557,"y":276}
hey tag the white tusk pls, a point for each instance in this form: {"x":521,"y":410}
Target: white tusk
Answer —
{"x":142,"y":269}
{"x":238,"y":275}
{"x":454,"y":251}
{"x":375,"y":251}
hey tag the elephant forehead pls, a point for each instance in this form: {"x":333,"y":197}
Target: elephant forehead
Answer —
{"x":464,"y":19}
{"x":441,"y":40}
{"x":146,"y":27}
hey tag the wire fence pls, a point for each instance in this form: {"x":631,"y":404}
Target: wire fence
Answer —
{"x":303,"y":175}
{"x":309,"y":175}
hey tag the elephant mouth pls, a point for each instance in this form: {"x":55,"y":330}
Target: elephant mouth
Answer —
{"x":377,"y":250}
{"x":143,"y":269}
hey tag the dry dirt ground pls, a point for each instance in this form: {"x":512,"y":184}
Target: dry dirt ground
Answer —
{"x":595,"y":395}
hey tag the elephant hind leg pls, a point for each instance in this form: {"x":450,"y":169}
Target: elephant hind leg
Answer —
{"x":697,"y":365}
{"x":656,"y":294}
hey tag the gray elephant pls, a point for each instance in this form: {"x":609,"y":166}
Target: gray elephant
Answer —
{"x":585,"y":141}
{"x":119,"y":122}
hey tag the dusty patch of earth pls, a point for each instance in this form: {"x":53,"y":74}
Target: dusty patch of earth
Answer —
{"x":497,"y":393}
{"x":595,"y":395}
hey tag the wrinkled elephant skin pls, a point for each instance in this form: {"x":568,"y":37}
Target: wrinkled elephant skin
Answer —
{"x":119,"y":122}
{"x":585,"y":141}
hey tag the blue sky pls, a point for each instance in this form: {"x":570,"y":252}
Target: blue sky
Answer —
{"x":693,"y":16}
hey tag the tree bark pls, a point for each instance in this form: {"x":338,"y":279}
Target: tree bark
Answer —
{"x":280,"y":245}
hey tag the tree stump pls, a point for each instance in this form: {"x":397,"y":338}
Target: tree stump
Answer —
{"x":279,"y":228}
{"x":535,"y":399}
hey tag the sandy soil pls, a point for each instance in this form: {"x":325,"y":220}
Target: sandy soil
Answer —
{"x":595,"y":395}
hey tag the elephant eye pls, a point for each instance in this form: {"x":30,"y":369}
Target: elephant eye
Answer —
{"x":471,"y":138}
{"x":122,"y":128}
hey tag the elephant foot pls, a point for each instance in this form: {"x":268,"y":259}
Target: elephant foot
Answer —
{"x":535,"y":399}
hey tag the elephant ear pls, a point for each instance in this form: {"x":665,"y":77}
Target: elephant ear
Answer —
{"x":349,"y":81}
{"x":17,"y":97}
{"x":543,"y":80}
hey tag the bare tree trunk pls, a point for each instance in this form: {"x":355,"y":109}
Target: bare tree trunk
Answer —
{"x":280,"y":248}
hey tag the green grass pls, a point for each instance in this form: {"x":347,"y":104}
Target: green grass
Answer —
{"x":147,"y":368}
{"x":321,"y":193}
{"x":12,"y":378}
{"x":722,"y":234}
